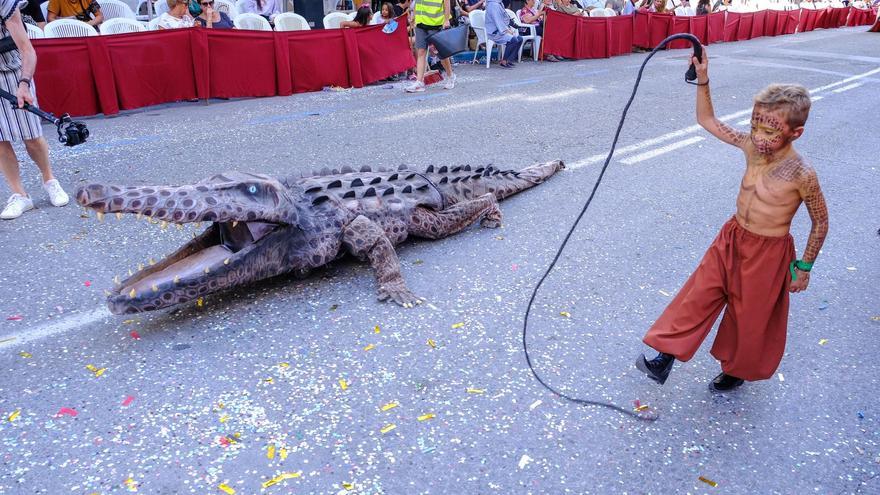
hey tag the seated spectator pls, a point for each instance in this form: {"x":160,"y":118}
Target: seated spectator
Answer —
{"x":266,"y":8}
{"x":87,"y":11}
{"x":177,"y":15}
{"x":401,"y":7}
{"x":533,"y":16}
{"x":211,"y":18}
{"x":589,"y":5}
{"x":361,"y":18}
{"x":566,"y":7}
{"x":622,"y":7}
{"x":465,"y":7}
{"x":386,"y":13}
{"x":657,"y":7}
{"x":721,"y":5}
{"x":704,"y":7}
{"x":33,"y":10}
{"x":499,"y":31}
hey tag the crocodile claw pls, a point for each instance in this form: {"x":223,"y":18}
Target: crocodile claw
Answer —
{"x":398,"y":292}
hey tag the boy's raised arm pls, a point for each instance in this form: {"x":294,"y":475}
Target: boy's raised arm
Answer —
{"x":705,"y":112}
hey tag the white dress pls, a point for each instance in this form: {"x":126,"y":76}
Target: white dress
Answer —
{"x":168,"y":21}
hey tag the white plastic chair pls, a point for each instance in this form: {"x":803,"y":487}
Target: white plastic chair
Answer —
{"x":531,"y":37}
{"x":598,"y":13}
{"x":288,"y":21}
{"x":160,"y":7}
{"x":332,"y":20}
{"x":153,"y":25}
{"x":609,"y":12}
{"x":478,"y":24}
{"x":680,"y":11}
{"x":252,"y":22}
{"x":114,"y":9}
{"x":34,"y":32}
{"x":68,"y":28}
{"x":121,"y":25}
{"x":45,"y":8}
{"x":241,"y":7}
{"x":227,"y":8}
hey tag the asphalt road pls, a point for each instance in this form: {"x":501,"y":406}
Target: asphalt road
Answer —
{"x":205,"y":394}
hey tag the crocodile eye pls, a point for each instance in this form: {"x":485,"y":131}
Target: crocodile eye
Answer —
{"x":252,"y":189}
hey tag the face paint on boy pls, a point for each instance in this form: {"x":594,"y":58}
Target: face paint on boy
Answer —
{"x":769,"y":131}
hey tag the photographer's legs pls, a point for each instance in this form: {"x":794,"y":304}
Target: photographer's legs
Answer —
{"x":19,"y":202}
{"x":38,"y":149}
{"x":9,"y":165}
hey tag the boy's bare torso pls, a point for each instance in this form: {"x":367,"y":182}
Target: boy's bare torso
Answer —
{"x":769,"y":194}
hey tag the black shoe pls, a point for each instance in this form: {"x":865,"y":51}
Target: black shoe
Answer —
{"x":725,"y":383}
{"x":658,"y":368}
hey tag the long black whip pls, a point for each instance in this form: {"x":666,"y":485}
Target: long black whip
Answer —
{"x":690,"y":76}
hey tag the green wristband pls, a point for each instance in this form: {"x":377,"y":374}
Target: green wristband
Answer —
{"x":801,"y":265}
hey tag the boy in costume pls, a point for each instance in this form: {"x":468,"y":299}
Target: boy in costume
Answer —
{"x":750,"y":267}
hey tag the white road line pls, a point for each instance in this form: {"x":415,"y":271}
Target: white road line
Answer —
{"x":846,"y":88}
{"x":744,"y":122}
{"x":846,"y":81}
{"x":659,"y":151}
{"x":817,"y":98}
{"x":486,"y":101}
{"x":53,"y":328}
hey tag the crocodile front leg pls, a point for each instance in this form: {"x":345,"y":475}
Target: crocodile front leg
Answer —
{"x":366,"y":240}
{"x":432,"y":224}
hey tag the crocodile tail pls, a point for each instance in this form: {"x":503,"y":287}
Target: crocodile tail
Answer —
{"x":529,"y":177}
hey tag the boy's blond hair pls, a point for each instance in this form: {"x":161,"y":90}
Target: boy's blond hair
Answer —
{"x":794,"y":99}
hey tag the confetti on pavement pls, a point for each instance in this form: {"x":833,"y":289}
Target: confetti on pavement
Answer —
{"x":708,"y":481}
{"x":128,"y":400}
{"x":226,"y":489}
{"x":15,"y":414}
{"x":524,"y":461}
{"x":388,"y":427}
{"x":66,"y":411}
{"x":426,"y":417}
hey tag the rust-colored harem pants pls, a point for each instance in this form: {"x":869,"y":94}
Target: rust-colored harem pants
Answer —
{"x":749,"y":273}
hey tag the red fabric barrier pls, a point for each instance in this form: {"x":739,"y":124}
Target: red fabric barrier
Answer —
{"x":584,"y":37}
{"x":839,"y":17}
{"x":744,"y":29}
{"x":696,"y":25}
{"x":716,"y":27}
{"x":859,"y":17}
{"x":758,"y":27}
{"x":807,"y":20}
{"x":788,"y":21}
{"x":103,"y":74}
{"x":650,"y":29}
{"x":731,"y":26}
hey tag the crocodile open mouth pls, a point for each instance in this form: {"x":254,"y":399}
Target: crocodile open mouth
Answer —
{"x":209,"y":255}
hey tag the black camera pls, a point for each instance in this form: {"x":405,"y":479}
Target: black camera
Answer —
{"x":71,"y":132}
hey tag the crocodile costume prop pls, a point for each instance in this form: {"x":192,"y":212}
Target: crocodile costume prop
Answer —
{"x":262,"y":227}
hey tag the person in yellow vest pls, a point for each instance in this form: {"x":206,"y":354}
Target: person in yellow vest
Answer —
{"x":430,"y":17}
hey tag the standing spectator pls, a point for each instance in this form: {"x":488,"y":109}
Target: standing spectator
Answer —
{"x":266,"y":8}
{"x":386,"y":14}
{"x":87,"y":11}
{"x":430,"y":17}
{"x":499,"y":31}
{"x":177,"y":15}
{"x":361,"y":18}
{"x":704,"y":7}
{"x":33,"y":10}
{"x":211,"y":18}
{"x":16,"y":73}
{"x":401,"y":7}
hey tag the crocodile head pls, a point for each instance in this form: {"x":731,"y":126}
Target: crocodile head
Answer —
{"x":252,"y":220}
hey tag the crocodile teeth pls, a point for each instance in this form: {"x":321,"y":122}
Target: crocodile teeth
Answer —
{"x":176,"y":279}
{"x":234,"y":223}
{"x":180,"y":226}
{"x":132,"y":294}
{"x":207,"y":270}
{"x":226,"y":261}
{"x":164,"y":225}
{"x":118,"y":216}
{"x":116,"y":280}
{"x":151,"y":262}
{"x":100,"y":216}
{"x":139,"y":215}
{"x":155,"y":288}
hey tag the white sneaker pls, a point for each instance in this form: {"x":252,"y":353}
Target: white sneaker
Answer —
{"x":15,"y":206}
{"x":57,"y":196}
{"x":450,"y":82}
{"x":416,"y":87}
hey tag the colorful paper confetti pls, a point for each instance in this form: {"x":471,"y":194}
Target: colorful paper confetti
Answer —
{"x":388,"y":427}
{"x":66,"y":411}
{"x":432,"y":343}
{"x":535,"y":404}
{"x":369,"y":347}
{"x":88,"y":283}
{"x":390,"y":406}
{"x":95,"y":370}
{"x":708,"y":481}
{"x":135,"y":335}
{"x":457,"y":325}
{"x":348,"y":486}
{"x":270,"y":452}
{"x":128,"y":400}
{"x":25,"y":355}
{"x":281,"y":477}
{"x":282,"y":453}
{"x":14,"y":415}
{"x":565,"y":314}
{"x":343,"y":384}
{"x":199,"y":302}
{"x":664,"y":293}
{"x":524,"y":461}
{"x":376,"y":329}
{"x":476,"y":391}
{"x":823,"y":341}
{"x":426,"y":417}
{"x":781,"y":377}
{"x":226,"y":489}
{"x":14,"y":318}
